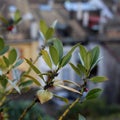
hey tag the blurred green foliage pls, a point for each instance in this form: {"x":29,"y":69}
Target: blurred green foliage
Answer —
{"x":93,"y":110}
{"x":15,"y":108}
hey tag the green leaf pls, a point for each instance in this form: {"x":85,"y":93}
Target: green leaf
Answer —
{"x":17,"y":16}
{"x":95,"y":52}
{"x":46,"y":58}
{"x":19,"y":62}
{"x":94,"y":93}
{"x":75,"y":68}
{"x":62,"y":98}
{"x":4,"y":20}
{"x":65,"y":60}
{"x":98,"y":79}
{"x":43,"y":27}
{"x":4,"y":50}
{"x":73,"y":48}
{"x":17,"y":21}
{"x":6,"y":61}
{"x":34,"y":80}
{"x":49,"y":33}
{"x":68,"y":56}
{"x":12,"y":56}
{"x":59,"y":47}
{"x":26,"y":83}
{"x":81,"y":68}
{"x":44,"y":96}
{"x":81,"y":117}
{"x":83,"y":54}
{"x":34,"y":68}
{"x":54,"y":54}
{"x":96,"y":62}
{"x":2,"y":65}
{"x":3,"y":81}
{"x":2,"y":44}
{"x":88,"y":60}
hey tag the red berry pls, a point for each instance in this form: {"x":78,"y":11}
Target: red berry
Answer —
{"x":10,"y":28}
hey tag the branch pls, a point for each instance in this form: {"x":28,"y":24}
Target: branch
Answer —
{"x":27,"y":109}
{"x":68,"y":109}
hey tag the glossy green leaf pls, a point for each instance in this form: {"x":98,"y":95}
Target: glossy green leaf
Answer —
{"x":6,"y":61}
{"x":73,"y":48}
{"x":62,"y":98}
{"x":33,"y":79}
{"x":49,"y":33}
{"x":34,"y":68}
{"x":12,"y":56}
{"x":81,"y":117}
{"x":19,"y":62}
{"x":88,"y":61}
{"x":26,"y":83}
{"x":83,"y":54}
{"x":17,"y":17}
{"x":17,"y":21}
{"x":46,"y":58}
{"x":81,"y":68}
{"x":68,"y":56}
{"x":2,"y":44}
{"x":98,"y":79}
{"x":59,"y":47}
{"x":4,"y":50}
{"x":44,"y":96}
{"x":65,"y":60}
{"x":77,"y":70}
{"x":95,"y":52}
{"x":98,"y":60}
{"x":43,"y":27}
{"x":54,"y":54}
{"x":94,"y":93}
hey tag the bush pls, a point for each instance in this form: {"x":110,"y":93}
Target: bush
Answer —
{"x":52,"y":53}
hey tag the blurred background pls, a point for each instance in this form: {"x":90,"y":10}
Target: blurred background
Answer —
{"x":89,"y":22}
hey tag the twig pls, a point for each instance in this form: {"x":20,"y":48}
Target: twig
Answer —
{"x":68,"y":109}
{"x":27,"y":109}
